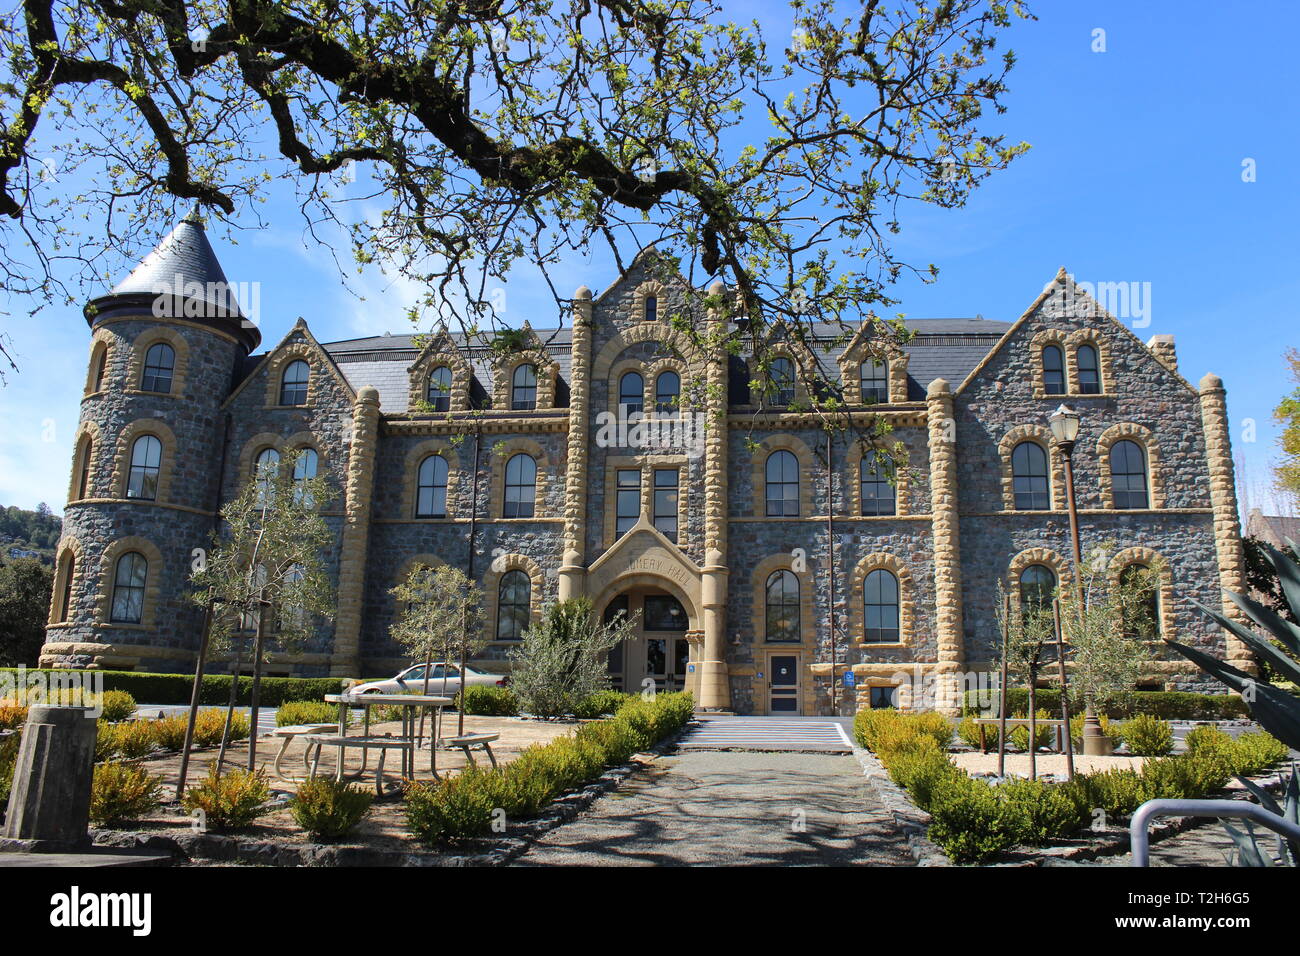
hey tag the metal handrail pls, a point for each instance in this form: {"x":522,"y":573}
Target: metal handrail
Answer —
{"x":1140,"y":840}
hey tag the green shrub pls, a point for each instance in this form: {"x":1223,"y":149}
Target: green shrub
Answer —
{"x":1167,"y":704}
{"x":117,"y":705}
{"x":169,"y":731}
{"x":8,"y":758}
{"x":1207,"y":740}
{"x":969,"y":733}
{"x":211,"y":723}
{"x":1109,"y":728}
{"x":601,"y":704}
{"x":12,"y":714}
{"x":1042,"y":812}
{"x":306,"y":712}
{"x":884,"y":729}
{"x":971,"y":823}
{"x":230,"y":800}
{"x":488,"y":701}
{"x":1186,"y":777}
{"x":1117,"y":791}
{"x":329,"y":809}
{"x":120,"y":792}
{"x":462,"y":806}
{"x":870,"y":723}
{"x":1256,"y":752}
{"x":105,"y":740}
{"x":133,"y":738}
{"x":1149,"y":736}
{"x":215,"y":690}
{"x":1044,"y":734}
{"x":922,"y":769}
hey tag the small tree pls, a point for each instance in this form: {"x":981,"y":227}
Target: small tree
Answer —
{"x":563,"y":658}
{"x":442,"y":616}
{"x":265,"y":573}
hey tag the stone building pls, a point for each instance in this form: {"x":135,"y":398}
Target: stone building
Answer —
{"x":728,"y":533}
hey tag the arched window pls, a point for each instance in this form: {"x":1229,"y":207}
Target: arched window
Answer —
{"x":83,"y":476}
{"x":146,"y":461}
{"x":1089,"y":378}
{"x":782,"y":484}
{"x":438,"y":393}
{"x":877,"y":493}
{"x":874,"y":379}
{"x":514,"y":597}
{"x":782,"y":606}
{"x":293,"y":384}
{"x":128,"y":589}
{"x":1053,"y":370}
{"x":521,"y":487}
{"x":101,"y":369}
{"x":305,"y":469}
{"x":668,"y":392}
{"x":1140,"y":602}
{"x":783,"y":380}
{"x":523,"y":388}
{"x":1128,"y":475}
{"x":265,"y":467}
{"x":431,"y":488}
{"x":1029,"y":477}
{"x":631,"y":393}
{"x":159,"y":363}
{"x":880,"y":601}
{"x":65,"y":598}
{"x":1037,"y":587}
{"x":651,"y":308}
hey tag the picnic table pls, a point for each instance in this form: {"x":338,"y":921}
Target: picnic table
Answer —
{"x":1056,"y":722}
{"x":411,"y":704}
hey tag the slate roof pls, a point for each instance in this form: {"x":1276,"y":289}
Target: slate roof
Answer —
{"x":182,"y":257}
{"x":1274,"y":529}
{"x":942,"y":348}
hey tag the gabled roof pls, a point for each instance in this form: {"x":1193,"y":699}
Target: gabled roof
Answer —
{"x":262,"y":361}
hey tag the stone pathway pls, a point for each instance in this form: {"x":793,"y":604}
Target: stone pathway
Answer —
{"x":732,"y":808}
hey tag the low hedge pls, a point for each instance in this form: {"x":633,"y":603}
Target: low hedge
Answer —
{"x":475,"y":800}
{"x":176,"y":688}
{"x":489,"y":701}
{"x":1165,"y":704}
{"x":974,"y":820}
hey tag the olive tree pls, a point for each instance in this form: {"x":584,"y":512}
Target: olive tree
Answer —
{"x":563,"y":658}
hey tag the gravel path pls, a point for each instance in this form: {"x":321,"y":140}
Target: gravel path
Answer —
{"x":731,"y":808}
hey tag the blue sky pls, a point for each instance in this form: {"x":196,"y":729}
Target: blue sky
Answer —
{"x":1135,"y":176}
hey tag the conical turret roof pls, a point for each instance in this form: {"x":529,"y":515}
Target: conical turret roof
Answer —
{"x":184,"y":271}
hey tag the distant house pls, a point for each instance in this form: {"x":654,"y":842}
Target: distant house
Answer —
{"x":16,"y":553}
{"x":1272,"y":529}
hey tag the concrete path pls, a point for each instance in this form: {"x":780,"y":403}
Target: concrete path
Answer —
{"x":731,"y":809}
{"x":767,"y":733}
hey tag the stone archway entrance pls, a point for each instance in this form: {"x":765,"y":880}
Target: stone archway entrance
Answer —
{"x":663,"y":647}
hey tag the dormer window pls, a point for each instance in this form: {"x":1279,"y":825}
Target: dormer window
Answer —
{"x":875,"y":382}
{"x":438,"y":393}
{"x":782,"y":376}
{"x":293,"y":385}
{"x":523,"y":388}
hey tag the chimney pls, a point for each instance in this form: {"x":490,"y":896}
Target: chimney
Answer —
{"x":1162,"y":347}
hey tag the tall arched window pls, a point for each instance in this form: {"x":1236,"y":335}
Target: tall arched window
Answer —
{"x":1029,"y":477}
{"x":159,"y":363}
{"x":514,"y":597}
{"x":521,"y":487}
{"x":651,"y":308}
{"x":146,"y":462}
{"x":874,"y":379}
{"x":631,"y":393}
{"x":65,"y":597}
{"x":668,"y":392}
{"x":83,"y":474}
{"x":1089,"y":377}
{"x":880,"y":601}
{"x":782,"y":373}
{"x":265,"y":467}
{"x":877,"y":493}
{"x":782,"y":606}
{"x":128,"y":589}
{"x":304,"y":469}
{"x":782,"y":484}
{"x":438,"y":393}
{"x":293,"y":384}
{"x":1037,"y":588}
{"x":1140,"y":604}
{"x":1128,"y":475}
{"x":101,"y":369}
{"x":1053,"y":370}
{"x":431,"y":488}
{"x":523,"y":388}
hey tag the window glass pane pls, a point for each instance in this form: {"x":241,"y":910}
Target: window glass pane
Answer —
{"x":1128,"y":475}
{"x":783,"y":381}
{"x":1029,"y":477}
{"x":513,"y":605}
{"x":1141,"y":604}
{"x":877,"y":493}
{"x":431,"y":488}
{"x":880,"y":600}
{"x":304,"y":469}
{"x":521,"y":487}
{"x":159,"y":362}
{"x":1089,"y":381}
{"x":128,"y":588}
{"x":665,"y":502}
{"x":782,"y":484}
{"x":293,"y":386}
{"x":782,"y":606}
{"x":439,"y":391}
{"x":631,"y":393}
{"x":651,"y":308}
{"x":1053,"y":371}
{"x":628,"y":504}
{"x":1037,"y":587}
{"x":668,"y":390}
{"x":523,"y":394}
{"x":663,"y":612}
{"x":146,"y":461}
{"x":875,"y":381}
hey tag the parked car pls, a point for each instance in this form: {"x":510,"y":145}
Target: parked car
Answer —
{"x":444,"y":680}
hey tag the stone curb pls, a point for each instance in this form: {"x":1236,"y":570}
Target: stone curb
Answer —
{"x":486,"y":851}
{"x":909,"y":819}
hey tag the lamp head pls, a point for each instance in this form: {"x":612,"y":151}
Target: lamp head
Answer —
{"x":1065,"y":424}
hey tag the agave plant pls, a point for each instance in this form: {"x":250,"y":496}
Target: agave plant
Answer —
{"x":1276,"y":710}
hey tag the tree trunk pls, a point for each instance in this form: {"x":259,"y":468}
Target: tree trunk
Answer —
{"x":254,"y":702}
{"x":230,"y":709}
{"x":194,"y":702}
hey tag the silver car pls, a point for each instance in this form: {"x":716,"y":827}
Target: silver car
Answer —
{"x":444,"y":680}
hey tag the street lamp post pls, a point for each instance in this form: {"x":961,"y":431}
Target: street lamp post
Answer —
{"x":1064,"y":423}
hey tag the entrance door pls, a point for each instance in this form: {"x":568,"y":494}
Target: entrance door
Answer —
{"x":665,"y":661}
{"x":784,"y":684}
{"x":657,"y":650}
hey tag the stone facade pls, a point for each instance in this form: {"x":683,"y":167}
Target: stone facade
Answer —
{"x":961,"y":397}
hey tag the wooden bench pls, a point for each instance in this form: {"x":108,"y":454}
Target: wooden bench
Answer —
{"x":366,"y":744}
{"x":288,"y":734}
{"x":1056,"y":722}
{"x":468,"y":743}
